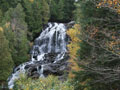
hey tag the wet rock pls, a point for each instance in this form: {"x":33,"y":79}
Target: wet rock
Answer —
{"x":49,"y":54}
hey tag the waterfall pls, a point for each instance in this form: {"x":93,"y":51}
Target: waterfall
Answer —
{"x":48,"y":55}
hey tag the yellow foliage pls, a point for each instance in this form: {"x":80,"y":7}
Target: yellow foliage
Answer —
{"x":114,"y":46}
{"x":48,"y":83}
{"x":1,"y":29}
{"x":113,"y":4}
{"x":7,"y":24}
{"x":31,"y":0}
{"x":74,"y":47}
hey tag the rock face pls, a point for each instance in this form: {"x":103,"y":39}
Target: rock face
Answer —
{"x":48,"y":55}
{"x":47,"y":66}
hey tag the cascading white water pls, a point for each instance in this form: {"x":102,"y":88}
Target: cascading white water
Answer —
{"x":51,"y":43}
{"x":52,"y":39}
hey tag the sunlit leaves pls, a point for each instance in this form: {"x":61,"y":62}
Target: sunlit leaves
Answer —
{"x":112,"y":4}
{"x":1,"y":29}
{"x":74,"y":47}
{"x":7,"y":24}
{"x":48,"y":83}
{"x":31,"y":0}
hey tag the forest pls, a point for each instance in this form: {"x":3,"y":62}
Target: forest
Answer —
{"x":93,"y":46}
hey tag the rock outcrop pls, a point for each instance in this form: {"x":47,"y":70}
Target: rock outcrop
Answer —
{"x":49,"y":54}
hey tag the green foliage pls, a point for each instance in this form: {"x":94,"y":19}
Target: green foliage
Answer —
{"x":6,"y":62}
{"x":96,"y":59}
{"x":16,"y":32}
{"x":37,"y":15}
{"x":5,"y":4}
{"x":1,"y":16}
{"x":84,"y":51}
{"x":68,"y":10}
{"x":61,"y":10}
{"x":57,"y":10}
{"x":53,"y":10}
{"x":85,"y":9}
{"x":61,"y":7}
{"x":45,"y":12}
{"x":49,"y":83}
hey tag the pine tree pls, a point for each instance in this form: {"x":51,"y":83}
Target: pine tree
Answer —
{"x":62,"y":10}
{"x":5,"y":4}
{"x":6,"y":62}
{"x":36,"y":25}
{"x":61,"y":6}
{"x":13,"y":3}
{"x":98,"y":55}
{"x":68,"y":10}
{"x":37,"y":15}
{"x":45,"y":12}
{"x":53,"y":11}
{"x":16,"y":32}
{"x":0,"y":16}
{"x":21,"y":42}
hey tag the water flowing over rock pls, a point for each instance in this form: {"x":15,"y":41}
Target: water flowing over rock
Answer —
{"x":48,"y":55}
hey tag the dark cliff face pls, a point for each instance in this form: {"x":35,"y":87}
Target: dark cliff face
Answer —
{"x":48,"y":55}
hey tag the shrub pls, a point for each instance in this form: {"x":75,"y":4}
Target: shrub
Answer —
{"x":49,"y":83}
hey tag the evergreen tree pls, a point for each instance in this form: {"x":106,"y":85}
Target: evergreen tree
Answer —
{"x":97,"y":58}
{"x":13,"y":3}
{"x":62,"y":10}
{"x":61,"y":6}
{"x":68,"y":10}
{"x":53,"y":11}
{"x":16,"y":32}
{"x":0,"y":16}
{"x":45,"y":12}
{"x":6,"y":62}
{"x":6,"y":4}
{"x":37,"y":15}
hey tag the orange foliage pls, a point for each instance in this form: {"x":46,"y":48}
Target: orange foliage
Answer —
{"x":114,"y":46}
{"x":112,"y":4}
{"x":101,"y":37}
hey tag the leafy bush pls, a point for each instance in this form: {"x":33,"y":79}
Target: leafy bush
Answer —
{"x":49,"y":83}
